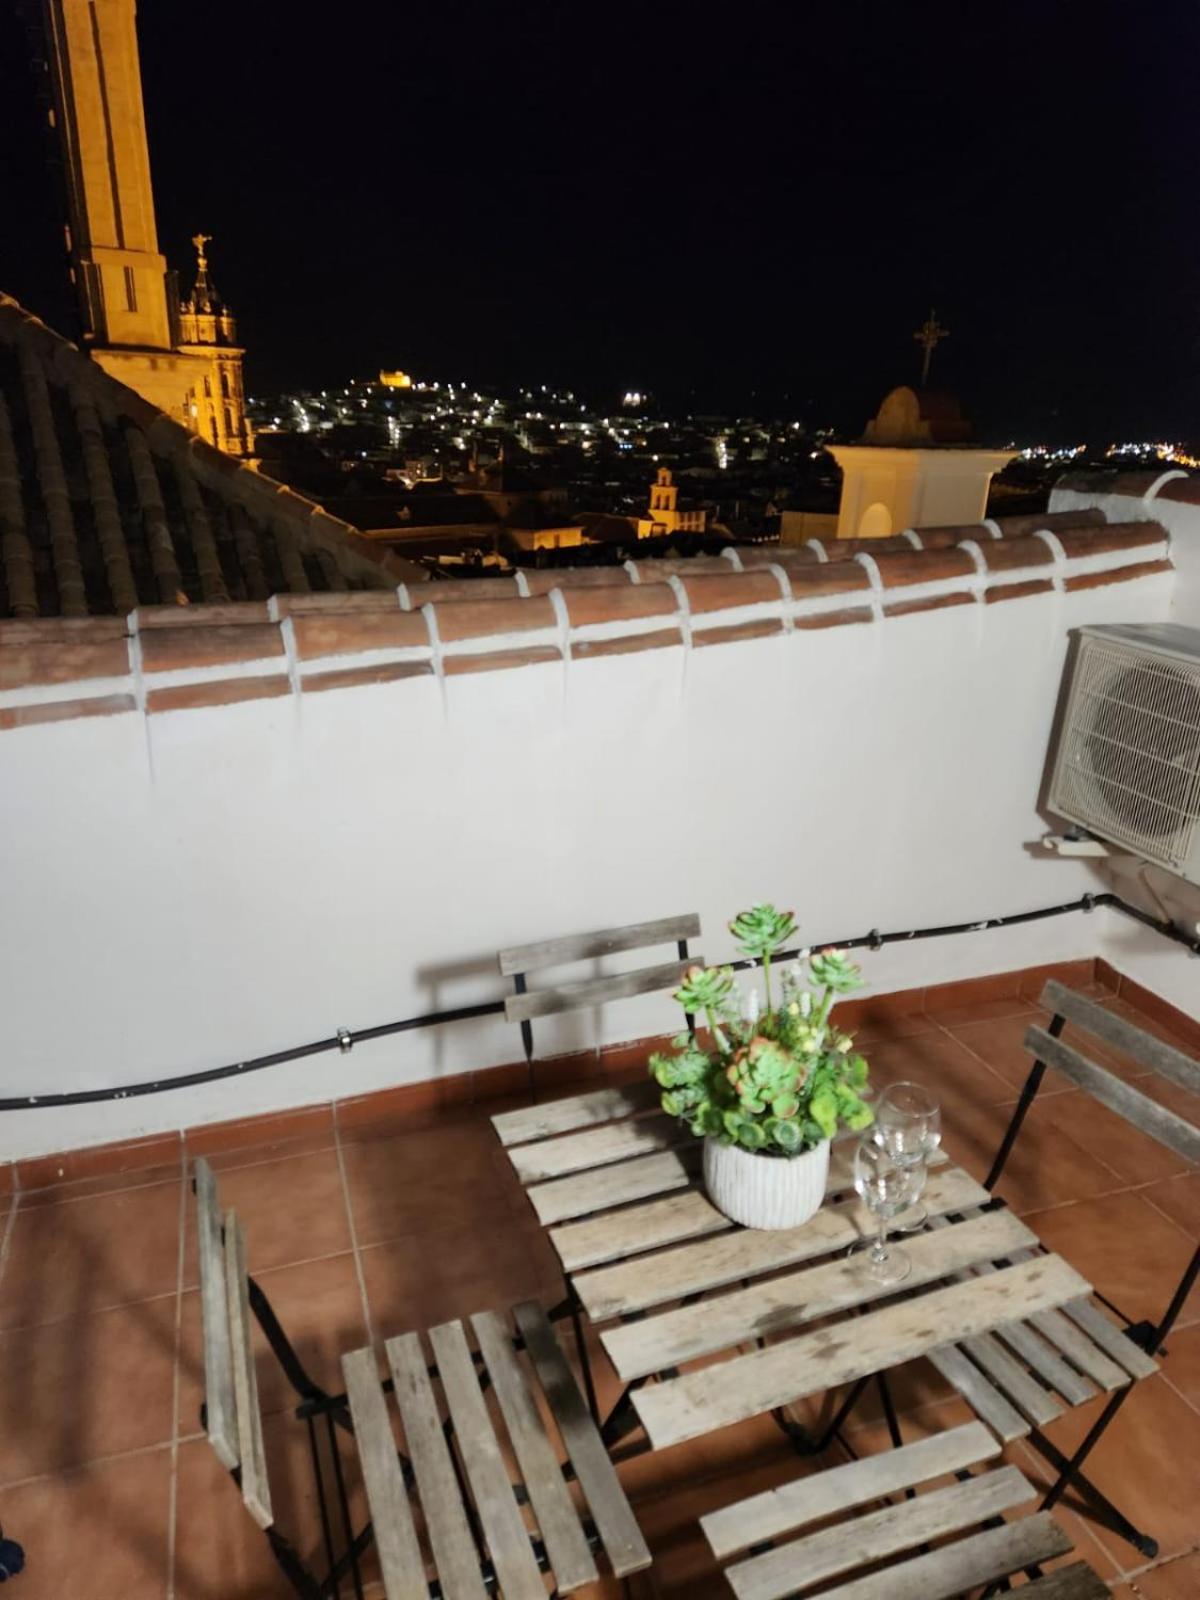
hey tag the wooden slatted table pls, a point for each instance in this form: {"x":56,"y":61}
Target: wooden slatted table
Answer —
{"x":668,"y":1280}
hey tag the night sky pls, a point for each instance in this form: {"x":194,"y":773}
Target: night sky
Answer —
{"x":731,"y":207}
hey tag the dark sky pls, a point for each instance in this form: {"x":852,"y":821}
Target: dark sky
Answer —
{"x":735,"y":206}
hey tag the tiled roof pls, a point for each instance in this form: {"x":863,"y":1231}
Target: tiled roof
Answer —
{"x":160,"y":659}
{"x":107,"y":504}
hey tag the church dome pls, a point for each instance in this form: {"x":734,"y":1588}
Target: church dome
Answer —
{"x":918,"y":417}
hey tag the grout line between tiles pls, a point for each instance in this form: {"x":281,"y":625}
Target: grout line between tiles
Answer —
{"x":354,"y":1248}
{"x":173,"y":1492}
{"x":78,"y":1467}
{"x":9,"y":1224}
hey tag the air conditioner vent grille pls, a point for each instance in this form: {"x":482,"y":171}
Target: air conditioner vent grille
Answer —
{"x":1129,"y":764}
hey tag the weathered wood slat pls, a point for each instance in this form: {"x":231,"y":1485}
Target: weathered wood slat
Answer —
{"x":700,"y":1402}
{"x":1047,"y":1363}
{"x":606,"y":941}
{"x":1175,"y":1132}
{"x":596,"y":991}
{"x":958,"y":1568}
{"x":725,"y":1258}
{"x":1113,"y":1029}
{"x":1088,"y":1316}
{"x":619,"y":1533}
{"x":566,"y":1546}
{"x":256,"y":1491}
{"x":637,"y":1349}
{"x":1076,"y":1582}
{"x":871,"y":1538}
{"x":504,"y":1532}
{"x":636,"y":1229}
{"x":395,"y":1536}
{"x":585,"y":1192}
{"x":1025,"y":1392}
{"x":454,"y":1553}
{"x":596,"y":1147}
{"x":1003,"y":1418}
{"x":793,"y":1505}
{"x":575,"y":1112}
{"x":220,"y":1415}
{"x":1084,"y":1352}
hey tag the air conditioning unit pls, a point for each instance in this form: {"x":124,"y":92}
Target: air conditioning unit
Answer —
{"x":1127,"y":767}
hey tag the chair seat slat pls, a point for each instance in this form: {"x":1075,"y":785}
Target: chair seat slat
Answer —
{"x":611,"y":1512}
{"x":575,"y":1112}
{"x":570,"y":1558}
{"x":453,"y":1546}
{"x":504,"y":1532}
{"x":400,"y":1557}
{"x":958,"y":1568}
{"x":880,"y":1534}
{"x":776,"y":1512}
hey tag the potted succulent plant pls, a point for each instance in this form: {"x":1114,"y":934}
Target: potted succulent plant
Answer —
{"x":769,"y":1085}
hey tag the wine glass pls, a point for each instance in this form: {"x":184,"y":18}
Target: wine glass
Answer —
{"x":887,"y":1187}
{"x":908,"y":1122}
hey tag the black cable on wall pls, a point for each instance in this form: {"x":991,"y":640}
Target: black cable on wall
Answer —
{"x":344,"y":1040}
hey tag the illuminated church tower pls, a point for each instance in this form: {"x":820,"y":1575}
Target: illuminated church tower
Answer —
{"x":183,"y":359}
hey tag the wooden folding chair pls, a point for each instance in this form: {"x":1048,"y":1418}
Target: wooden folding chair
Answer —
{"x":520,"y":961}
{"x":891,"y":1542}
{"x":1150,"y":1117}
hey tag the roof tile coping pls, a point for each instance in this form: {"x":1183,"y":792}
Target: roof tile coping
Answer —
{"x":323,"y":640}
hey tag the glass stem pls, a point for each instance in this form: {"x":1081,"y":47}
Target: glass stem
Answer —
{"x":879,"y":1252}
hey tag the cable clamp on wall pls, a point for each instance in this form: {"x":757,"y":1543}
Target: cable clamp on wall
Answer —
{"x":345,"y":1041}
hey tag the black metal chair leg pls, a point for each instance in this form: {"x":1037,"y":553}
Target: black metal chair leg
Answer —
{"x":584,"y":1359}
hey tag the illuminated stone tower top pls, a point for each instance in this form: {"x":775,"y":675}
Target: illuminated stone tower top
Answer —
{"x":120,"y":275}
{"x":187,"y":362}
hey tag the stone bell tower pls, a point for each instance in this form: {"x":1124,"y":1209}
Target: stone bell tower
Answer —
{"x":131,"y":325}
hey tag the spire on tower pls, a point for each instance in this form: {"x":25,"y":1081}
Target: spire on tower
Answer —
{"x":204,"y":296}
{"x":929,"y":335}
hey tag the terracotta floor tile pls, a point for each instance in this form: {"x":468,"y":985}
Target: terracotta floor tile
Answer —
{"x":1179,"y":1198}
{"x":95,"y":1534}
{"x":82,"y":1255}
{"x":1148,"y":1463}
{"x":875,"y":1030}
{"x":945,"y":1066}
{"x":319,"y":1307}
{"x":1170,"y":1580}
{"x":291,"y":1210}
{"x":1182,"y":1362}
{"x":452,"y":1178}
{"x":1123,"y":1247}
{"x":1106,"y":1137}
{"x":1000,"y":1043}
{"x":220,"y":1553}
{"x":250,"y":1138}
{"x":424,"y":1279}
{"x":86,"y":1387}
{"x":103,"y":1183}
{"x":1045,"y":1168}
{"x":951,"y":1016}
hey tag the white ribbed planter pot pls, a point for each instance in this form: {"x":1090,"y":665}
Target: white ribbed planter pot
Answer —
{"x":765,"y":1191}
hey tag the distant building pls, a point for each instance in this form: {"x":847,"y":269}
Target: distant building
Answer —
{"x":914,"y":467}
{"x":663,"y":514}
{"x":185,"y":358}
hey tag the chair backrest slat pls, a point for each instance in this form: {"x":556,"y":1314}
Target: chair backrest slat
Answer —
{"x":220,"y":1412}
{"x":256,"y":1491}
{"x":1112,"y":1029}
{"x":1127,"y":1101}
{"x":596,"y":991}
{"x":525,"y":958}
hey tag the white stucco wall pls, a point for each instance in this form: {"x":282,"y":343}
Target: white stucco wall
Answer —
{"x":208,"y":885}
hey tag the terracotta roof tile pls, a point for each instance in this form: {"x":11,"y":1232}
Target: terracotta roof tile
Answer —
{"x":726,"y":592}
{"x":107,"y":504}
{"x":458,"y":620}
{"x":619,"y":603}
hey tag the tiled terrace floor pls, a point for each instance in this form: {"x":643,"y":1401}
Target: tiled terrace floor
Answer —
{"x":373,"y":1229}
